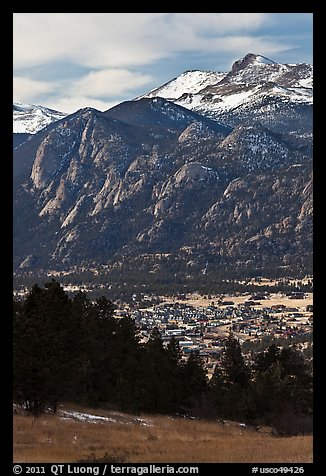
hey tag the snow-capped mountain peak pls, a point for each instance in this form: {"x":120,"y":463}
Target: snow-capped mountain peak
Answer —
{"x":251,"y":89}
{"x":252,"y":59}
{"x":188,"y":82}
{"x":29,"y":118}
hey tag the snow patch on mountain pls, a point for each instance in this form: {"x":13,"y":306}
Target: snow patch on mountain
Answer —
{"x":30,"y":119}
{"x":217,"y":103}
{"x":187,"y":82}
{"x":262,"y":60}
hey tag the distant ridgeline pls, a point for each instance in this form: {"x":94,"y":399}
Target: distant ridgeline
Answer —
{"x":124,"y":286}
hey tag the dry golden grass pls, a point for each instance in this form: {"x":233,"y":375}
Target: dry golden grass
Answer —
{"x":53,"y":439}
{"x":272,"y":300}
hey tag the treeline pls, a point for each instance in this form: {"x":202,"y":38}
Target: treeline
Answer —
{"x":123,"y":290}
{"x":73,"y":349}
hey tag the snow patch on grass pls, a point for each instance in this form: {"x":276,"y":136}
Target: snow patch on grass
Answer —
{"x":87,"y":417}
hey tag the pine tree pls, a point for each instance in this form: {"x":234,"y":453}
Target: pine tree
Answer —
{"x":264,"y":360}
{"x":230,"y":382}
{"x":81,"y":388}
{"x":194,"y":381}
{"x":281,"y":391}
{"x":218,"y":392}
{"x":154,"y":374}
{"x":267,"y":394}
{"x":174,"y":352}
{"x":43,"y":348}
{"x":129,"y":354}
{"x":234,"y":367}
{"x":174,"y":376}
{"x":101,"y":351}
{"x":60,"y":332}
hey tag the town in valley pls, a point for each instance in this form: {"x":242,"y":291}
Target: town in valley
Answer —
{"x":202,"y":322}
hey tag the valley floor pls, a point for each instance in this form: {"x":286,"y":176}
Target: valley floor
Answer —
{"x":75,"y":433}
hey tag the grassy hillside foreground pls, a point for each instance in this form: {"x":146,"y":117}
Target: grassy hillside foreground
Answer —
{"x":73,"y":434}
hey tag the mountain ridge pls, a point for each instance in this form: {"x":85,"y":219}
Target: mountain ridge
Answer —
{"x":135,"y":186}
{"x":31,"y":118}
{"x":251,"y":91}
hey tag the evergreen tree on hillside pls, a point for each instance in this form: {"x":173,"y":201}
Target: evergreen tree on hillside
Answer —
{"x":218,"y":393}
{"x":174,"y":352}
{"x":61,"y":332}
{"x":82,"y":388}
{"x":154,"y":373}
{"x":264,"y":360}
{"x":281,"y":391}
{"x":267,"y":394}
{"x":229,"y":383}
{"x":174,"y":376}
{"x":194,"y":381}
{"x":129,"y":364}
{"x":233,"y":364}
{"x":101,"y":351}
{"x":43,"y":348}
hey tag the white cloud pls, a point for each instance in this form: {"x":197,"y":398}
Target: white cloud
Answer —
{"x":109,"y":82}
{"x":91,"y":89}
{"x":95,"y":40}
{"x":26,"y":87}
{"x":106,"y":40}
{"x":240,"y":45}
{"x":111,"y":46}
{"x":218,"y":23}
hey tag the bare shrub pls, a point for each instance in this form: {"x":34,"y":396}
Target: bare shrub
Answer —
{"x":106,"y":458}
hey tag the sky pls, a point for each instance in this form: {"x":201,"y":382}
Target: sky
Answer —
{"x":67,"y":61}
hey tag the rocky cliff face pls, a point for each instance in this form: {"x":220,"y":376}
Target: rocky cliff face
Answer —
{"x":151,"y":179}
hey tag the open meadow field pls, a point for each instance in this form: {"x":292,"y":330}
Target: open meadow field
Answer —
{"x":271,"y":300}
{"x":74,"y":434}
